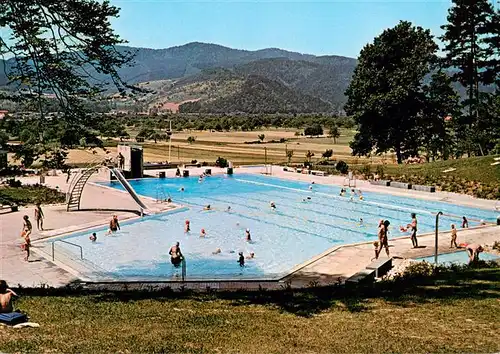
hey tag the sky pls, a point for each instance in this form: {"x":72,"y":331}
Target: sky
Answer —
{"x":328,"y":27}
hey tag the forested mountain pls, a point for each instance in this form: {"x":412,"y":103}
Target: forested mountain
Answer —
{"x":256,"y":94}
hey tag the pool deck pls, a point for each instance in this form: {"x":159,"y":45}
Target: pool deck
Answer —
{"x":100,"y":203}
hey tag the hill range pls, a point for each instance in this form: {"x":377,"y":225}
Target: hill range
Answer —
{"x":201,"y":77}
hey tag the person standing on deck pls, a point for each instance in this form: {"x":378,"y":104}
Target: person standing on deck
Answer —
{"x":413,"y":226}
{"x":39,"y":217}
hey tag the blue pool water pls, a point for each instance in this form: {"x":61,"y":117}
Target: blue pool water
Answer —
{"x":460,"y":257}
{"x":297,"y":231}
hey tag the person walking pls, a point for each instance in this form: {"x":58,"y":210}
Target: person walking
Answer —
{"x":39,"y":217}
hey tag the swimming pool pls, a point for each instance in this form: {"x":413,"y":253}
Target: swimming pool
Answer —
{"x":299,"y":228}
{"x":460,"y":257}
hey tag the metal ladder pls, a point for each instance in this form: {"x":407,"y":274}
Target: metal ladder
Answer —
{"x":76,"y":191}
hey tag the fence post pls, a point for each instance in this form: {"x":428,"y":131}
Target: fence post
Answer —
{"x":436,"y":240}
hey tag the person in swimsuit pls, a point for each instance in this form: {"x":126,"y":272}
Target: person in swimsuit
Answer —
{"x":217,"y":251}
{"x":474,"y":249}
{"x":114,"y":225}
{"x":382,"y":238}
{"x":27,"y":227}
{"x":248,"y":237}
{"x":6,"y":296}
{"x":26,"y":246}
{"x":93,"y":237}
{"x":465,"y":223}
{"x":39,"y":217}
{"x":203,"y":233}
{"x":208,"y":207}
{"x":273,"y":205}
{"x":176,"y":255}
{"x":177,"y":172}
{"x":453,"y":236}
{"x":250,"y":256}
{"x":187,"y":226}
{"x":413,"y":226}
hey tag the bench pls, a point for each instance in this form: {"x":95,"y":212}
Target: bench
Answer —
{"x":430,"y":189}
{"x":361,"y":277}
{"x":192,"y":165}
{"x":380,"y":266}
{"x":298,"y":170}
{"x":318,"y":173}
{"x":381,"y":182}
{"x":401,"y":185}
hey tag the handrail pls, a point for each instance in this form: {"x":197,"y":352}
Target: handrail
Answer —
{"x":183,"y":263}
{"x":69,"y":243}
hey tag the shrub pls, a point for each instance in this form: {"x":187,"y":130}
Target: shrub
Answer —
{"x":380,"y":171}
{"x":366,"y":171}
{"x":342,"y":167}
{"x":194,"y":161}
{"x":14,"y":183}
{"x":221,"y":162}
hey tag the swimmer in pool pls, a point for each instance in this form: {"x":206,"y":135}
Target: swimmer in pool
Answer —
{"x":273,"y":206}
{"x":310,"y":188}
{"x":93,"y":237}
{"x":181,"y":189}
{"x":250,"y":256}
{"x":248,"y":237}
{"x":203,"y":233}
{"x":187,"y":226}
{"x":360,"y":221}
{"x":342,"y":192}
{"x":208,"y":207}
{"x":217,"y":251}
{"x":228,"y":209}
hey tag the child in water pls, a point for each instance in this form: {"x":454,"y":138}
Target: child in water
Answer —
{"x":203,"y":233}
{"x":273,"y":206}
{"x":247,"y":235}
{"x":93,"y":237}
{"x":251,"y":256}
{"x":187,"y":226}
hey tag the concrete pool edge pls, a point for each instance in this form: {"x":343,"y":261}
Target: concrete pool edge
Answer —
{"x":83,"y":227}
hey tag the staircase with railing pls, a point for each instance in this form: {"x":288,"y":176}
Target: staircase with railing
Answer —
{"x":76,"y":187}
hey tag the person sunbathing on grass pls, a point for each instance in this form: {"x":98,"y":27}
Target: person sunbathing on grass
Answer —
{"x":6,"y":297}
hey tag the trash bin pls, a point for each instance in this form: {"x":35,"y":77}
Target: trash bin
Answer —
{"x":229,"y":170}
{"x":208,"y":171}
{"x":185,"y":173}
{"x":162,"y":175}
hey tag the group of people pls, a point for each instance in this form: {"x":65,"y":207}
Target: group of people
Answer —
{"x":353,"y":193}
{"x":27,"y":229}
{"x":383,"y":228}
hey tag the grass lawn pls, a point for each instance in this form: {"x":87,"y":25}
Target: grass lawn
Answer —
{"x":30,"y":194}
{"x":456,"y":312}
{"x":474,"y":169}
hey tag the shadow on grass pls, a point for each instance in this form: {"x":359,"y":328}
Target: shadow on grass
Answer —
{"x":445,"y":284}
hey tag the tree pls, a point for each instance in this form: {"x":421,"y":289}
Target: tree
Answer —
{"x":327,"y":154}
{"x":65,"y":48}
{"x":191,"y":139}
{"x":289,"y":155}
{"x":313,"y":130}
{"x":261,"y":137}
{"x":309,"y":155}
{"x":470,"y":37}
{"x":385,"y":95}
{"x":342,"y":167}
{"x":441,"y":110}
{"x":334,"y":133}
